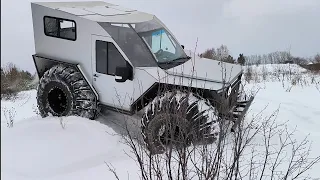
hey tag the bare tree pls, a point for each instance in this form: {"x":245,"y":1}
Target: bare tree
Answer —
{"x":221,"y":54}
{"x":317,"y":58}
{"x":209,"y":53}
{"x":241,"y":59}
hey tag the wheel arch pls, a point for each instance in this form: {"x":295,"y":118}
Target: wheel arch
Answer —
{"x":157,"y":88}
{"x":42,"y":64}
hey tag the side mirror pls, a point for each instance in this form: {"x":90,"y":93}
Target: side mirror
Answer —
{"x":182,"y":46}
{"x":123,"y":73}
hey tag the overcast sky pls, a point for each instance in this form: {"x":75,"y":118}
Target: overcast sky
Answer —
{"x":245,"y":26}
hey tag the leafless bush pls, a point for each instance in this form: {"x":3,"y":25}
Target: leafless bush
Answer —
{"x":278,"y":57}
{"x":299,"y":61}
{"x":9,"y":114}
{"x":317,"y":58}
{"x":289,"y":75}
{"x":264,"y":72}
{"x":14,"y":80}
{"x":35,"y":109}
{"x":248,"y":74}
{"x":259,"y":149}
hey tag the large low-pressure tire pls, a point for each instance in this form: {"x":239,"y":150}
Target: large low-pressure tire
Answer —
{"x":178,"y":119}
{"x":62,"y":91}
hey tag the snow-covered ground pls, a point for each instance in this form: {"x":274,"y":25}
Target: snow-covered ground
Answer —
{"x":41,"y":149}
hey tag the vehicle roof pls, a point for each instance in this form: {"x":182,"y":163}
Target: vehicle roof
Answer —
{"x":99,"y":11}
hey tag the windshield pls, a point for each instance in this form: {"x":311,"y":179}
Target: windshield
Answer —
{"x":161,"y":43}
{"x":147,"y":44}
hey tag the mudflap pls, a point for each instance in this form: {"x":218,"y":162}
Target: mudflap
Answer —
{"x":239,"y":111}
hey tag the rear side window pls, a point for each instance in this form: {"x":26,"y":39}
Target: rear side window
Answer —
{"x":60,"y":28}
{"x":108,"y":58}
{"x":101,"y":57}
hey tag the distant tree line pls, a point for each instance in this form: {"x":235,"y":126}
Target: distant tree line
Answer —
{"x":222,"y":53}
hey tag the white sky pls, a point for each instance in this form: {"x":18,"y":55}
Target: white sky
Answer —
{"x":245,"y":26}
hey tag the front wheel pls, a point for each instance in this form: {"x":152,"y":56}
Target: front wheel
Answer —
{"x":178,"y":119}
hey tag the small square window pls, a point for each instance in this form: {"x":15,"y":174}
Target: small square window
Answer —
{"x":60,"y":28}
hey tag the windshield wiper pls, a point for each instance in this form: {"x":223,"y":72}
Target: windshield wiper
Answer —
{"x":177,"y":60}
{"x":180,"y":58}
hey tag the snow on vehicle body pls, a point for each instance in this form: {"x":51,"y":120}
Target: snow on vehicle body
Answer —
{"x":96,"y":53}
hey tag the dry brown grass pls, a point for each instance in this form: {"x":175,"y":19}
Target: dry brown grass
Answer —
{"x":312,"y":67}
{"x":14,"y":80}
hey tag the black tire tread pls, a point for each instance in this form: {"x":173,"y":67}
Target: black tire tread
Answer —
{"x":85,"y":100}
{"x":168,"y":103}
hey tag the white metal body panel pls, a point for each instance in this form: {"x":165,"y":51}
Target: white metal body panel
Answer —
{"x":105,"y":11}
{"x":162,"y":76}
{"x":134,"y":17}
{"x":122,"y":8}
{"x":78,"y":52}
{"x":75,"y":11}
{"x":75,"y":4}
{"x":99,"y":11}
{"x":118,"y":94}
{"x":206,"y":69}
{"x":195,"y":73}
{"x":110,"y":91}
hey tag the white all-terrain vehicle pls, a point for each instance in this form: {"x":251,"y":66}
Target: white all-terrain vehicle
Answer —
{"x":93,"y":54}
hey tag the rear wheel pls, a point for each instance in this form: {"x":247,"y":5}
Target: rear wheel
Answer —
{"x":178,"y":119}
{"x":62,"y":91}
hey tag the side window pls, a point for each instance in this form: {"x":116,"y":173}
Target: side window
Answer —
{"x":115,"y":59}
{"x":101,"y":57}
{"x":108,"y":58}
{"x":51,"y":27}
{"x":60,"y":28}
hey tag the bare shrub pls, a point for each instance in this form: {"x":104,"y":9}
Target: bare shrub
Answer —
{"x":35,"y":109}
{"x":209,"y":53}
{"x":248,"y":74}
{"x":259,"y":149}
{"x":299,"y":61}
{"x":9,"y":114}
{"x":264,"y":72}
{"x":14,"y":80}
{"x":278,"y":57}
{"x":317,"y":58}
{"x":289,"y":75}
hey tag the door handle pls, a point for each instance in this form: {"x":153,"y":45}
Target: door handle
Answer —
{"x":95,"y":75}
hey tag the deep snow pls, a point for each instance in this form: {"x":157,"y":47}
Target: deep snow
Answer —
{"x":36,"y":148}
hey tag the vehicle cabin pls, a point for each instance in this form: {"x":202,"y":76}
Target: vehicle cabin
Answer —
{"x":66,"y":31}
{"x":85,"y":33}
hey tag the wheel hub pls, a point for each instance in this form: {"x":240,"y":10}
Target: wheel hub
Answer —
{"x":57,"y":100}
{"x":171,"y":131}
